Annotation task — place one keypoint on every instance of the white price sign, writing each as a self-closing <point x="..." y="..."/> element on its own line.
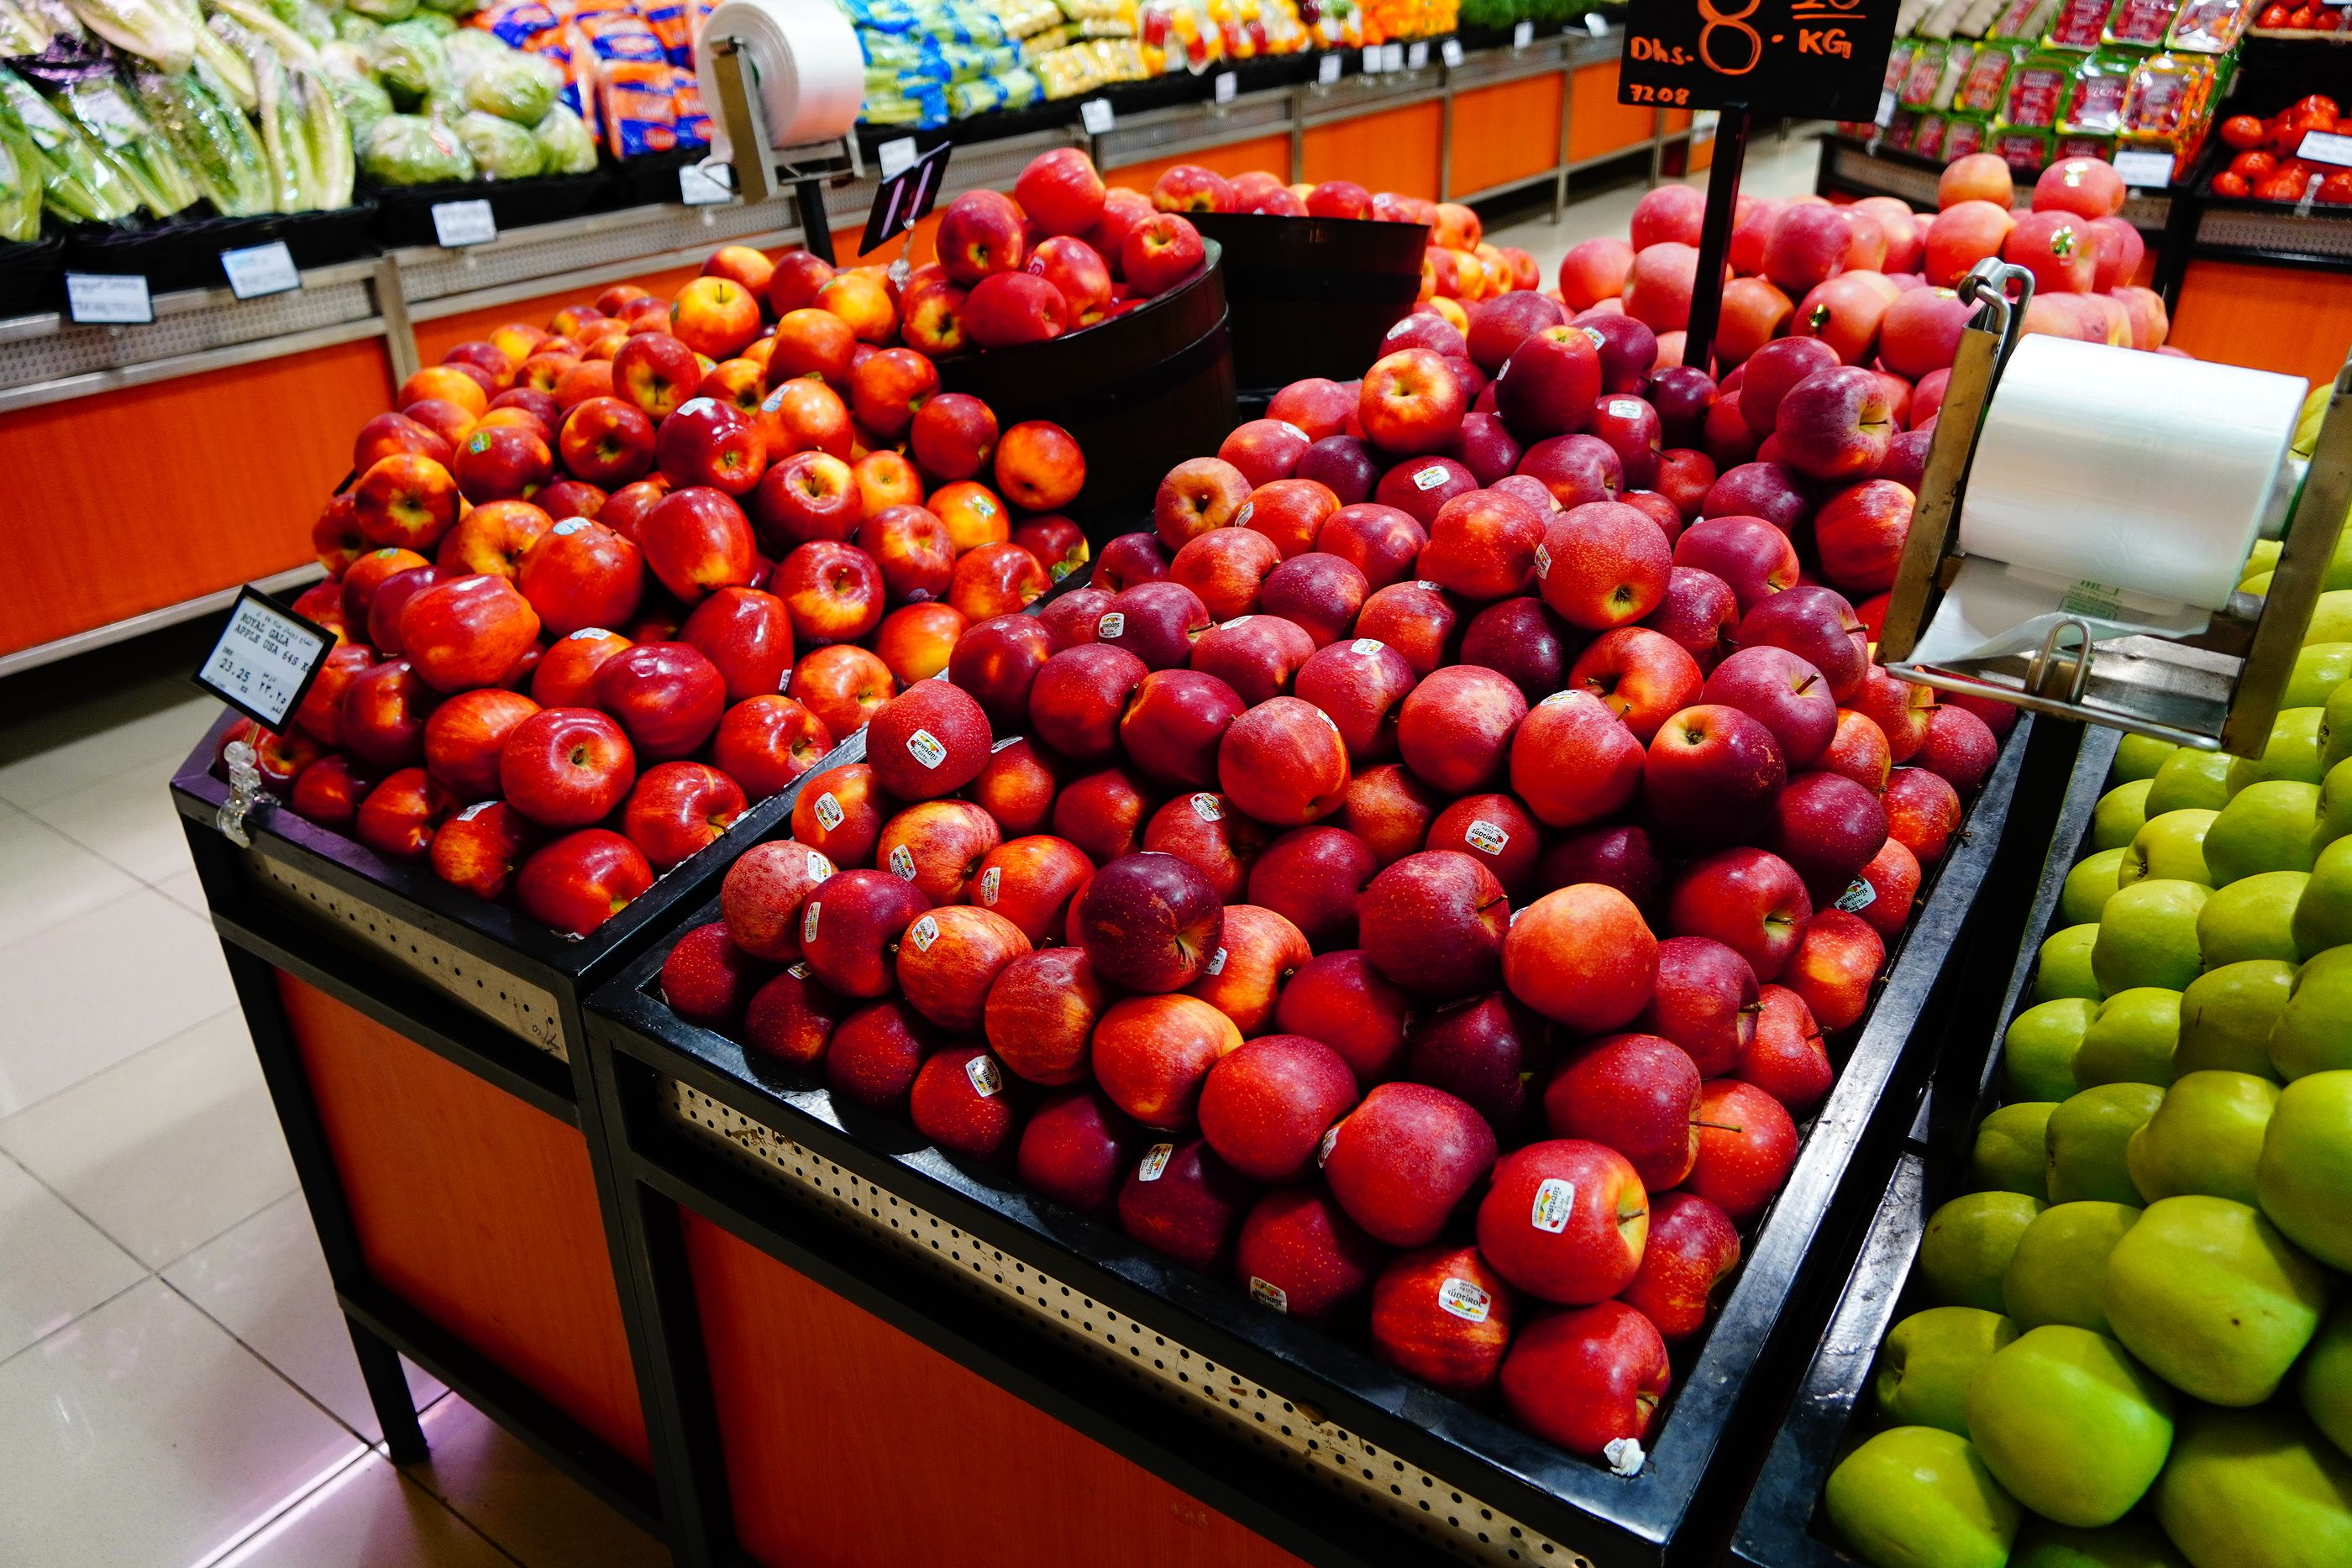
<point x="2145" y="168"/>
<point x="1596" y="25"/>
<point x="260" y="270"/>
<point x="456" y="223"/>
<point x="265" y="660"/>
<point x="1372" y="59"/>
<point x="1450" y="52"/>
<point x="1097" y="116"/>
<point x="1391" y="56"/>
<point x="1416" y="55"/>
<point x="1225" y="87"/>
<point x="109" y="300"/>
<point x="1885" y="116"/>
<point x="2324" y="147"/>
<point x="701" y="187"/>
<point x="898" y="156"/>
<point x="1522" y="34"/>
<point x="1326" y="70"/>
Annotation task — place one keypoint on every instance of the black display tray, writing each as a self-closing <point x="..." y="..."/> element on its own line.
<point x="1780" y="1524"/>
<point x="403" y="213"/>
<point x="32" y="275"/>
<point x="186" y="253"/>
<point x="1728" y="1385"/>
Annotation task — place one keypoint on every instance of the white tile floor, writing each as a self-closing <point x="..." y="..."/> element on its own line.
<point x="176" y="1387"/>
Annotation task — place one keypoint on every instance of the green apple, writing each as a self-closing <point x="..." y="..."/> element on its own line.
<point x="2172" y="845"/>
<point x="2264" y="557"/>
<point x="2255" y="1488"/>
<point x="2332" y="819"/>
<point x="2336" y="726"/>
<point x="2038" y="1052"/>
<point x="2226" y="1016"/>
<point x="2325" y="1384"/>
<point x="2119" y="813"/>
<point x="2138" y="756"/>
<point x="2323" y="917"/>
<point x="2302" y="1179"/>
<point x="2212" y="1298"/>
<point x="2254" y="917"/>
<point x="2313" y="1032"/>
<point x="2127" y="1543"/>
<point x="2009" y="1154"/>
<point x="2265" y="827"/>
<point x="2205" y="1137"/>
<point x="1918" y="1497"/>
<point x="2340" y="562"/>
<point x="2088" y="1132"/>
<point x="2063" y="967"/>
<point x="1926" y="1363"/>
<point x="2259" y="585"/>
<point x="2088" y="885"/>
<point x="2132" y="1039"/>
<point x="1968" y="1245"/>
<point x="2319" y="669"/>
<point x="2331" y="618"/>
<point x="2291" y="752"/>
<point x="2189" y="778"/>
<point x="2069" y="1425"/>
<point x="2054" y="1275"/>
<point x="2147" y="936"/>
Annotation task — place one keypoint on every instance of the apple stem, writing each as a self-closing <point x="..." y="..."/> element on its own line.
<point x="1718" y="1126"/>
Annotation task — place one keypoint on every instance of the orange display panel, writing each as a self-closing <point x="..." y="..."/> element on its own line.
<point x="1395" y="150"/>
<point x="1271" y="153"/>
<point x="1506" y="134"/>
<point x="1598" y="124"/>
<point x="822" y="1408"/>
<point x="157" y="494"/>
<point x="2296" y="320"/>
<point x="475" y="1207"/>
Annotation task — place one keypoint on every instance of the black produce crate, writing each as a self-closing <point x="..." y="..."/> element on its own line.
<point x="186" y="253"/>
<point x="1782" y="1524"/>
<point x="1313" y="296"/>
<point x="1140" y="391"/>
<point x="709" y="1125"/>
<point x="648" y="180"/>
<point x="403" y="213"/>
<point x="32" y="275"/>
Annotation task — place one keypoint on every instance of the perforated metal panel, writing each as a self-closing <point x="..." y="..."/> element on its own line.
<point x="508" y="1001"/>
<point x="1851" y="167"/>
<point x="1167" y="131"/>
<point x="1488" y="67"/>
<point x="42" y="349"/>
<point x="1244" y="1408"/>
<point x="2280" y="232"/>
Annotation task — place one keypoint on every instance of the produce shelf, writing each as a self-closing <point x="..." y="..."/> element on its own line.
<point x="769" y="1156"/>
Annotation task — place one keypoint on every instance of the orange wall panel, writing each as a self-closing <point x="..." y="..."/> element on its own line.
<point x="1271" y="153"/>
<point x="1597" y="123"/>
<point x="822" y="1408"/>
<point x="1392" y="150"/>
<point x="2293" y="320"/>
<point x="477" y="1208"/>
<point x="156" y="494"/>
<point x="1506" y="134"/>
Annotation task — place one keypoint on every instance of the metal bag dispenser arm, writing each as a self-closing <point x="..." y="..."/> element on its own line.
<point x="762" y="170"/>
<point x="2216" y="689"/>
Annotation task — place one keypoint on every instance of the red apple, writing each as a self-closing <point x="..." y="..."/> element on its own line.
<point x="1433" y="922"/>
<point x="1283" y="762"/>
<point x="765" y="742"/>
<point x="1636" y="1093"/>
<point x="1151" y="1054"/>
<point x="1266" y="1106"/>
<point x="1750" y="901"/>
<point x="1565" y="1220"/>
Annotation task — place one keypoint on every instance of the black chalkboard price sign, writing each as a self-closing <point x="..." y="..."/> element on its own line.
<point x="1811" y="58"/>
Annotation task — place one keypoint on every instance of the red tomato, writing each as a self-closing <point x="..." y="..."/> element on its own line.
<point x="2228" y="184"/>
<point x="2274" y="16"/>
<point x="2338" y="187"/>
<point x="2319" y="100"/>
<point x="2255" y="165"/>
<point x="2243" y="130"/>
<point x="2280" y="188"/>
<point x="2301" y="18"/>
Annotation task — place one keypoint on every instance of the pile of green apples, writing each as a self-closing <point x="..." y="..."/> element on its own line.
<point x="2140" y="1350"/>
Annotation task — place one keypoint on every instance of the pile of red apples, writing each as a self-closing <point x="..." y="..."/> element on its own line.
<point x="1416" y="881"/>
<point x="598" y="588"/>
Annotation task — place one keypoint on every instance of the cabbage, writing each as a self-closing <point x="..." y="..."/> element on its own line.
<point x="407" y="150"/>
<point x="354" y="28"/>
<point x="341" y="58"/>
<point x="435" y="23"/>
<point x="411" y="60"/>
<point x="565" y="140"/>
<point x="452" y="7"/>
<point x="521" y="88"/>
<point x="385" y="11"/>
<point x="471" y="47"/>
<point x="501" y="148"/>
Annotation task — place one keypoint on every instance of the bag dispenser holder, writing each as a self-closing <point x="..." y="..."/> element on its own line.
<point x="2217" y="688"/>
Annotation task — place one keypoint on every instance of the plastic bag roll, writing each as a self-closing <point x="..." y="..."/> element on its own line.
<point x="2108" y="469"/>
<point x="804" y="53"/>
<point x="2119" y="489"/>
